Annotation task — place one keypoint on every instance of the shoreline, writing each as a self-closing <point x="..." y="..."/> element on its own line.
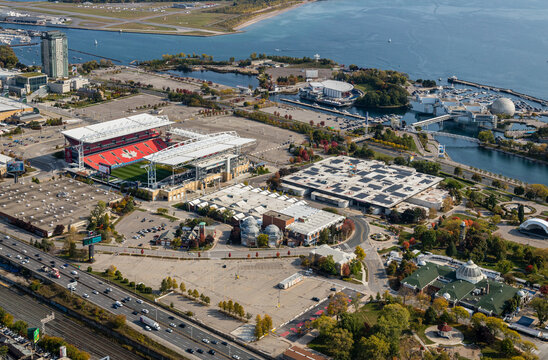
<point x="269" y="15"/>
<point x="205" y="32"/>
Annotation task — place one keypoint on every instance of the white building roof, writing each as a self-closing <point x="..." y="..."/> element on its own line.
<point x="7" y="104"/>
<point x="309" y="220"/>
<point x="338" y="85"/>
<point x="115" y="128"/>
<point x="198" y="148"/>
<point x="4" y="159"/>
<point x="339" y="256"/>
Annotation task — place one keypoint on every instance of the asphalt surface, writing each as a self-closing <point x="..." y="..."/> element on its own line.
<point x="189" y="337"/>
<point x="25" y="308"/>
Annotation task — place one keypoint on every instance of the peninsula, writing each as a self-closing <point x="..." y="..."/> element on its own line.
<point x="171" y="18"/>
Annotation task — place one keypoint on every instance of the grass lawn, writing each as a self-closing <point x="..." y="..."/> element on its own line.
<point x="139" y="26"/>
<point x="196" y="19"/>
<point x="370" y="312"/>
<point x="134" y="172"/>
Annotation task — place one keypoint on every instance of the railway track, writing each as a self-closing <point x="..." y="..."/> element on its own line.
<point x="23" y="307"/>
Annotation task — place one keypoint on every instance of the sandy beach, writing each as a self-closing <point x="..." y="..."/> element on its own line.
<point x="268" y="15"/>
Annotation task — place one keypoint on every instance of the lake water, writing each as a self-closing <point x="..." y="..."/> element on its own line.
<point x="497" y="42"/>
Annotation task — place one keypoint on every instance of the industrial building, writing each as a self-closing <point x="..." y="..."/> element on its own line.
<point x="55" y="54"/>
<point x="256" y="208"/>
<point x="344" y="180"/>
<point x="27" y="83"/>
<point x="50" y="207"/>
<point x="467" y="286"/>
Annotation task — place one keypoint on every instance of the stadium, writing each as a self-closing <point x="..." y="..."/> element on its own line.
<point x="140" y="152"/>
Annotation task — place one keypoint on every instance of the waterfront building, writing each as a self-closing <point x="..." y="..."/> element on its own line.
<point x="55" y="54"/>
<point x="26" y="83"/>
<point x="330" y="92"/>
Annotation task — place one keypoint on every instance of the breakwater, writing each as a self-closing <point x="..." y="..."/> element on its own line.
<point x="497" y="89"/>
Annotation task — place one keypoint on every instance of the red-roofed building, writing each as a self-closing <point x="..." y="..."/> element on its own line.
<point x="297" y="353"/>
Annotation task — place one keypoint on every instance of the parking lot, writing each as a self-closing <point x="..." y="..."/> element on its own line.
<point x="252" y="283"/>
<point x="140" y="228"/>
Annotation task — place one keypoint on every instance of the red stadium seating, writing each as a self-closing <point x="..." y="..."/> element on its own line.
<point x="126" y="154"/>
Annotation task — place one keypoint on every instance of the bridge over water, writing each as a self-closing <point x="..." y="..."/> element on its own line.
<point x="434" y="120"/>
<point x="455" y="136"/>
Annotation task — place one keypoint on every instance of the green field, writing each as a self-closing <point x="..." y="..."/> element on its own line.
<point x="134" y="172"/>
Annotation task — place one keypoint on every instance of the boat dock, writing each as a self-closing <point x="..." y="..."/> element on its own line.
<point x="324" y="109"/>
<point x="497" y="89"/>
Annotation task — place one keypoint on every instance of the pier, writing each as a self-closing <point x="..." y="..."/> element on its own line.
<point x="99" y="56"/>
<point x="497" y="89"/>
<point x="19" y="45"/>
<point x="313" y="106"/>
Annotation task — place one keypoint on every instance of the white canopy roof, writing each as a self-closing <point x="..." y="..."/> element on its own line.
<point x="198" y="148"/>
<point x="115" y="128"/>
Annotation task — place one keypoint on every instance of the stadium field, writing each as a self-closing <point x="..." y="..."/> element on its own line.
<point x="134" y="172"/>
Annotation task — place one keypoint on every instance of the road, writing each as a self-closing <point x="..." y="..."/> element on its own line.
<point x="378" y="280"/>
<point x="188" y="337"/>
<point x="25" y="308"/>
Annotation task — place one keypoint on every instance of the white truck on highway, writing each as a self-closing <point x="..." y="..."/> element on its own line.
<point x="148" y="321"/>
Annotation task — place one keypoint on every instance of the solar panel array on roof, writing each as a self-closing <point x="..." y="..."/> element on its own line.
<point x="367" y="181"/>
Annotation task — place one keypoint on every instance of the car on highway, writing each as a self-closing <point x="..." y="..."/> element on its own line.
<point x="205" y="341"/>
<point x="24" y="251"/>
<point x="144" y="311"/>
<point x="214" y="342"/>
<point x="147" y="328"/>
<point x="315" y="298"/>
<point x="95" y="292"/>
<point x="172" y="325"/>
<point x="74" y="272"/>
<point x="235" y="357"/>
<point x="199" y="351"/>
<point x="169" y="330"/>
<point x="85" y="296"/>
<point x="182" y="325"/>
<point x="190" y="351"/>
<point x="212" y="352"/>
<point x="139" y="301"/>
<point x="52" y="262"/>
<point x="333" y="289"/>
<point x="224" y="343"/>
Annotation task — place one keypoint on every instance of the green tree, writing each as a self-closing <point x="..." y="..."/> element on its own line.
<point x="340" y="344"/>
<point x="372" y="348"/>
<point x="451" y="249"/>
<point x="182" y="287"/>
<point x="430" y="316"/>
<point x="504" y="266"/>
<point x="540" y="306"/>
<point x="3" y="351"/>
<point x="20" y="327"/>
<point x="394" y="318"/>
<point x="460" y="313"/>
<point x="258" y="327"/>
<point x="477" y="177"/>
<point x="428" y="239"/>
<point x="338" y="304"/>
<point x="486" y="136"/>
<point x="324" y="324"/>
<point x="457" y="171"/>
<point x="521" y="213"/>
<point x="118" y="321"/>
<point x="360" y="253"/>
<point x="262" y="240"/>
<point x="8" y="59"/>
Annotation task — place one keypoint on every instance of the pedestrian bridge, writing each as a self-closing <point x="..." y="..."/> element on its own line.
<point x="434" y="120"/>
<point x="455" y="136"/>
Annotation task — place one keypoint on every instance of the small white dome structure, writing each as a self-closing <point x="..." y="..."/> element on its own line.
<point x="503" y="106"/>
<point x="446" y="296"/>
<point x="470" y="272"/>
<point x="274" y="235"/>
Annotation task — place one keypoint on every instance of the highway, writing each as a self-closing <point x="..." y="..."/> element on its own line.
<point x="188" y="337"/>
<point x="25" y="308"/>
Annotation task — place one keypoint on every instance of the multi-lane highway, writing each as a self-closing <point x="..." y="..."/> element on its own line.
<point x="186" y="336"/>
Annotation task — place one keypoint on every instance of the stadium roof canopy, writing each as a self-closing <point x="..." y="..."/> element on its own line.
<point x="116" y="128"/>
<point x="198" y="148"/>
